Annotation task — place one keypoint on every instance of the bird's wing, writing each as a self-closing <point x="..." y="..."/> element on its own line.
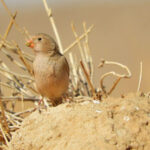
<point x="64" y="63"/>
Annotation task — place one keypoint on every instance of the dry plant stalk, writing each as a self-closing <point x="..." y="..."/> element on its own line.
<point x="79" y="43"/>
<point x="87" y="51"/>
<point x="9" y="28"/>
<point x="22" y="31"/>
<point x="3" y="124"/>
<point x="12" y="59"/>
<point x="4" y="117"/>
<point x="140" y="76"/>
<point x="50" y="16"/>
<point x="76" y="41"/>
<point x="4" y="135"/>
<point x="30" y="70"/>
<point x="119" y="76"/>
<point x="79" y="83"/>
<point x="88" y="79"/>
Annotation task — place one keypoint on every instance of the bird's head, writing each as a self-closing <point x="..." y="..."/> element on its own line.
<point x="42" y="43"/>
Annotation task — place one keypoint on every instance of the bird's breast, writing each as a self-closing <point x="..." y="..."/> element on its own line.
<point x="51" y="79"/>
<point x="43" y="69"/>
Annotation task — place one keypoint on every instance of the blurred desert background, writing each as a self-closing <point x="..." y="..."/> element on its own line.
<point x="121" y="32"/>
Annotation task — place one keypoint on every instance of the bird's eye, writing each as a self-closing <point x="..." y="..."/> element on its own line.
<point x="39" y="39"/>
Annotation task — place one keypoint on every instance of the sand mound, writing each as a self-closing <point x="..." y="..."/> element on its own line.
<point x="113" y="124"/>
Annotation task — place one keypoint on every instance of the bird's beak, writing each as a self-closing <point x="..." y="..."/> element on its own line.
<point x="30" y="43"/>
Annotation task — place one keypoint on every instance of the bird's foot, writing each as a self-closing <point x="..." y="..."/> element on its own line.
<point x="38" y="105"/>
<point x="46" y="105"/>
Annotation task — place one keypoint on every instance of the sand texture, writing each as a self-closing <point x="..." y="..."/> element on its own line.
<point x="116" y="124"/>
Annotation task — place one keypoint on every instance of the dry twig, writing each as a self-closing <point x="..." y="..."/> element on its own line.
<point x="140" y="77"/>
<point x="30" y="70"/>
<point x="5" y="124"/>
<point x="88" y="79"/>
<point x="49" y="13"/>
<point x="16" y="25"/>
<point x="76" y="41"/>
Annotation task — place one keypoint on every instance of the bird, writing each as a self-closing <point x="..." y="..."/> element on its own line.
<point x="50" y="68"/>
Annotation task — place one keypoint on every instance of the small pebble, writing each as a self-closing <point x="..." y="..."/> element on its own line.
<point x="96" y="101"/>
<point x="123" y="108"/>
<point x="99" y="111"/>
<point x="126" y="118"/>
<point x="137" y="108"/>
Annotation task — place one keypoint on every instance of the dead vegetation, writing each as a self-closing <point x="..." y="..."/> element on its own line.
<point x="22" y="85"/>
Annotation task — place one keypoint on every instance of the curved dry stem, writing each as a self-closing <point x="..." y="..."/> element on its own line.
<point x="128" y="75"/>
<point x="120" y="76"/>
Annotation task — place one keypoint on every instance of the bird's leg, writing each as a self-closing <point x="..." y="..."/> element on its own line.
<point x="40" y="101"/>
<point x="46" y="105"/>
<point x="44" y="101"/>
<point x="39" y="104"/>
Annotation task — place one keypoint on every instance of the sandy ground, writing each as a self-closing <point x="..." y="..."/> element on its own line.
<point x="112" y="124"/>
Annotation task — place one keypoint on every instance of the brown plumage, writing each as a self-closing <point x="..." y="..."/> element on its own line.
<point x="51" y="68"/>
